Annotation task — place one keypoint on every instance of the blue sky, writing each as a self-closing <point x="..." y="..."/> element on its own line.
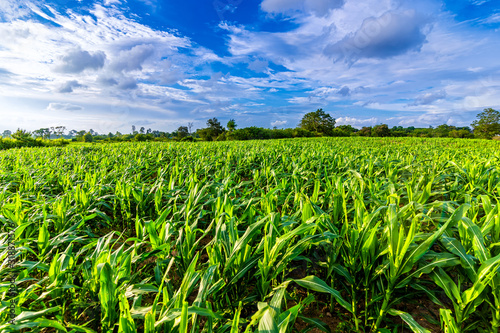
<point x="111" y="64"/>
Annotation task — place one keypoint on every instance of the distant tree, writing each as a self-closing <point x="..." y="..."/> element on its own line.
<point x="142" y="130"/>
<point x="140" y="137"/>
<point x="318" y="121"/>
<point x="381" y="130"/>
<point x="347" y="128"/>
<point x="133" y="130"/>
<point x="487" y="125"/>
<point x="365" y="131"/>
<point x="204" y="134"/>
<point x="443" y="131"/>
<point x="39" y="133"/>
<point x="52" y="130"/>
<point x="460" y="133"/>
<point x="190" y="126"/>
<point x="88" y="137"/>
<point x="231" y="125"/>
<point x="46" y="133"/>
<point x="182" y="132"/>
<point x="148" y="131"/>
<point x="6" y="134"/>
<point x="21" y="135"/>
<point x="72" y="133"/>
<point x="213" y="130"/>
<point x="398" y="131"/>
<point x="59" y="130"/>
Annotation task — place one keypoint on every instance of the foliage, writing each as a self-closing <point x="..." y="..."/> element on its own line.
<point x="488" y="124"/>
<point x="228" y="236"/>
<point x="212" y="131"/>
<point x="318" y="121"/>
<point x="231" y="125"/>
<point x="381" y="130"/>
<point x="182" y="132"/>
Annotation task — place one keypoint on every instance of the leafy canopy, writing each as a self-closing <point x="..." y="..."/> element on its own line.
<point x="318" y="121"/>
<point x="488" y="124"/>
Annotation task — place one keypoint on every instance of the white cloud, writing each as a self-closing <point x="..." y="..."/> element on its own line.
<point x="63" y="107"/>
<point x="77" y="60"/>
<point x="318" y="7"/>
<point x="278" y="123"/>
<point x="357" y="121"/>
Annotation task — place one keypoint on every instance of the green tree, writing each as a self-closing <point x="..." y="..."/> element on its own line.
<point x="318" y="121"/>
<point x="88" y="137"/>
<point x="443" y="131"/>
<point x="365" y="131"/>
<point x="231" y="125"/>
<point x="182" y="132"/>
<point x="6" y="133"/>
<point x="213" y="130"/>
<point x="487" y="125"/>
<point x="21" y="135"/>
<point x="347" y="128"/>
<point x="381" y="130"/>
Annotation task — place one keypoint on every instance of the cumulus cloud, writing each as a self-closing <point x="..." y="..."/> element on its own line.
<point x="133" y="59"/>
<point x="127" y="83"/>
<point x="357" y="121"/>
<point x="429" y="98"/>
<point x="278" y="123"/>
<point x="76" y="61"/>
<point x="393" y="33"/>
<point x="318" y="7"/>
<point x="69" y="86"/>
<point x="63" y="107"/>
<point x="344" y="91"/>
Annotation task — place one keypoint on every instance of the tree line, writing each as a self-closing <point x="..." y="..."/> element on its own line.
<point x="313" y="124"/>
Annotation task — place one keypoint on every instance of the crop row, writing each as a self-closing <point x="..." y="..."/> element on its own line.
<point x="346" y="234"/>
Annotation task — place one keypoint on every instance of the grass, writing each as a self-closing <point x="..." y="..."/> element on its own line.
<point x="253" y="236"/>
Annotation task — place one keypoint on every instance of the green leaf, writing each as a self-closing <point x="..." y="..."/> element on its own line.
<point x="314" y="283"/>
<point x="415" y="327"/>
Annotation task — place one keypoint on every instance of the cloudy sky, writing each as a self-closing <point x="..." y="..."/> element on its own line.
<point x="110" y="64"/>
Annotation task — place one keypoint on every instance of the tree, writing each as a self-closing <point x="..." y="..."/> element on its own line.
<point x="39" y="133"/>
<point x="318" y="121"/>
<point x="365" y="131"/>
<point x="88" y="137"/>
<point x="443" y="131"/>
<point x="59" y="131"/>
<point x="213" y="130"/>
<point x="182" y="132"/>
<point x="488" y="124"/>
<point x="21" y="135"/>
<point x="133" y="130"/>
<point x="347" y="128"/>
<point x="142" y="130"/>
<point x="190" y="125"/>
<point x="6" y="133"/>
<point x="231" y="125"/>
<point x="381" y="130"/>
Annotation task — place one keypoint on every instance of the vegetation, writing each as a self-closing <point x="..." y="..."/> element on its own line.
<point x="346" y="234"/>
<point x="318" y="123"/>
<point x="488" y="124"/>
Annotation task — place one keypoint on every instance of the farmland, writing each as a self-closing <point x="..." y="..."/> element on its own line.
<point x="333" y="234"/>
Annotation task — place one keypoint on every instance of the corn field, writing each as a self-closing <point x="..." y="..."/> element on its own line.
<point x="296" y="235"/>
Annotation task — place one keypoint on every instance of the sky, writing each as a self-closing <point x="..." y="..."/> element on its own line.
<point x="109" y="64"/>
